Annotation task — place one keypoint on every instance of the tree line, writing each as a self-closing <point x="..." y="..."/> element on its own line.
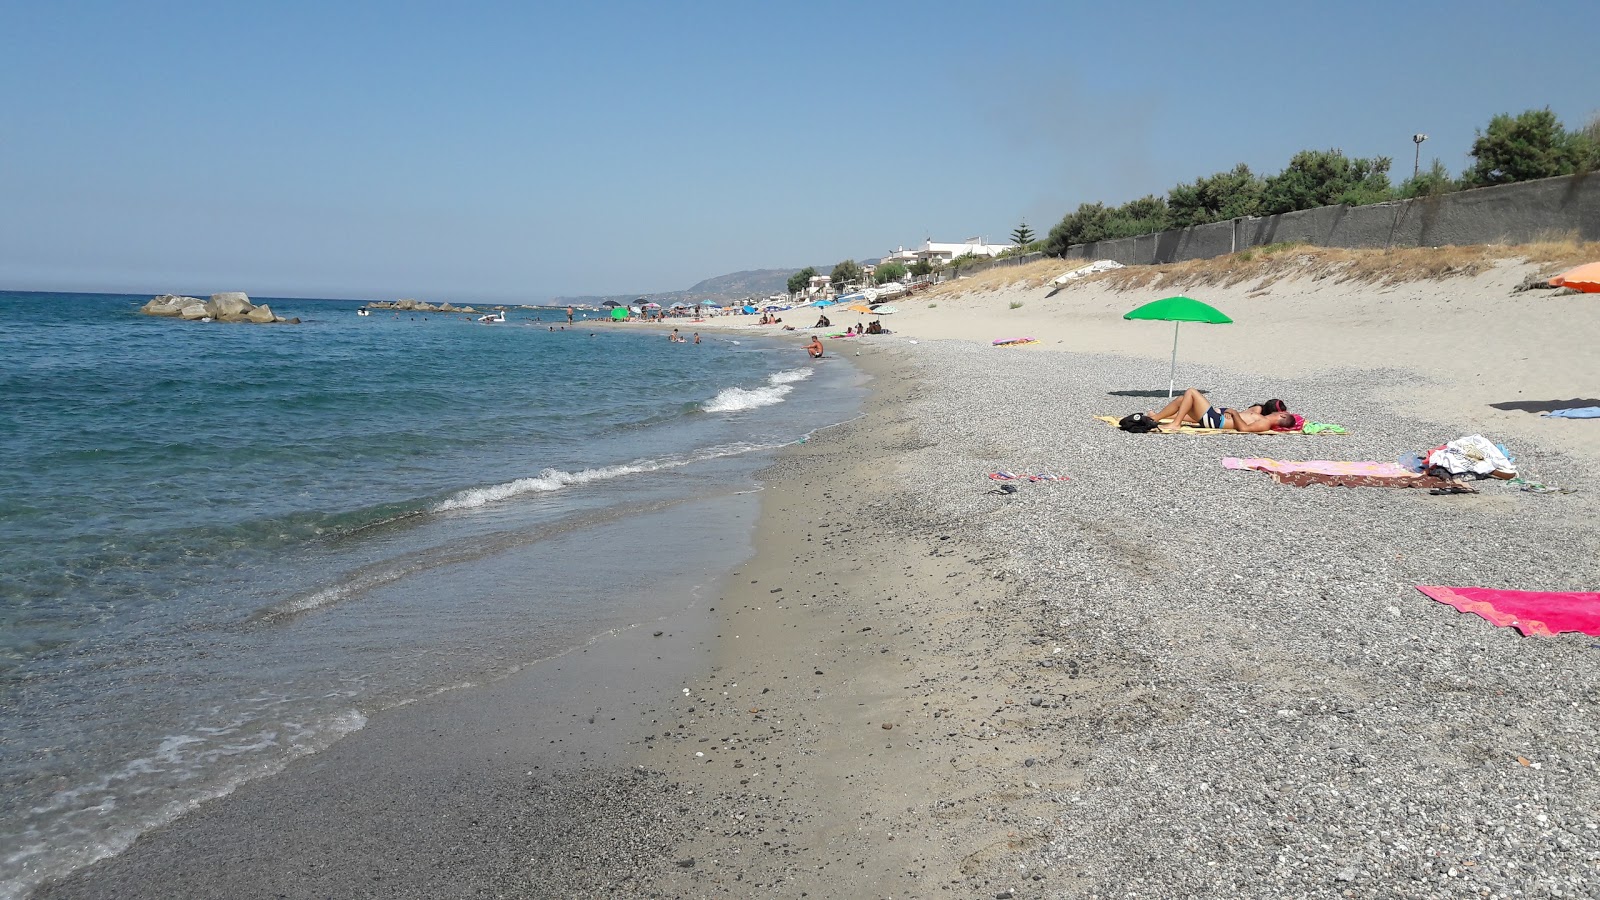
<point x="1513" y="148"/>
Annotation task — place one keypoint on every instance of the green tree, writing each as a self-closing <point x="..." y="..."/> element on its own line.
<point x="1524" y="147"/>
<point x="801" y="279"/>
<point x="889" y="272"/>
<point x="1022" y="236"/>
<point x="921" y="267"/>
<point x="1316" y="178"/>
<point x="1589" y="146"/>
<point x="1145" y="215"/>
<point x="1432" y="183"/>
<point x="846" y="272"/>
<point x="1084" y="225"/>
<point x="1215" y="198"/>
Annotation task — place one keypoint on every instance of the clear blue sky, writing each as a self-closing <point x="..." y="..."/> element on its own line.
<point x="515" y="151"/>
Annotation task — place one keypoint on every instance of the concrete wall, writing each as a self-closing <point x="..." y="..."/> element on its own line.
<point x="1508" y="214"/>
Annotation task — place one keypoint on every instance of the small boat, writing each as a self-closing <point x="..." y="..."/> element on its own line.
<point x="498" y="318"/>
<point x="363" y="311"/>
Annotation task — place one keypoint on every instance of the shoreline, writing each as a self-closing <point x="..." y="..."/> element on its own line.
<point x="1157" y="679"/>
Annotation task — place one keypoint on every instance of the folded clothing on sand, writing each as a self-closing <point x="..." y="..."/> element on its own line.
<point x="1335" y="472"/>
<point x="1546" y="613"/>
<point x="1577" y="412"/>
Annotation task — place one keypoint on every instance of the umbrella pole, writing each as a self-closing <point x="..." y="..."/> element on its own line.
<point x="1172" y="376"/>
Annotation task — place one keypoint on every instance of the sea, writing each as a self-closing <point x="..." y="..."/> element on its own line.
<point x="224" y="547"/>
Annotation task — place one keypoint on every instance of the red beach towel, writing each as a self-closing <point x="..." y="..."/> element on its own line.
<point x="1546" y="613"/>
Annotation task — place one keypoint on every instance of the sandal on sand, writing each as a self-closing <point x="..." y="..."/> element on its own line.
<point x="1454" y="489"/>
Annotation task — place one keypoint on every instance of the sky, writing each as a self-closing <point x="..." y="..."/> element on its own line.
<point x="518" y="151"/>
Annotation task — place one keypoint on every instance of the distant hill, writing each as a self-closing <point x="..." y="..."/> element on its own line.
<point x="721" y="289"/>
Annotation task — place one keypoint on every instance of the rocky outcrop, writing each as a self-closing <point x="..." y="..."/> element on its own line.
<point x="410" y="305"/>
<point x="169" y="305"/>
<point x="230" y="306"/>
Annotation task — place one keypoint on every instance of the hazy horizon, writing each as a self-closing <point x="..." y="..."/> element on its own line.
<point x="514" y="153"/>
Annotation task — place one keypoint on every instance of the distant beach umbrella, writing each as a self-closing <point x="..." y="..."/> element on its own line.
<point x="1584" y="278"/>
<point x="611" y="303"/>
<point x="652" y="306"/>
<point x="1177" y="310"/>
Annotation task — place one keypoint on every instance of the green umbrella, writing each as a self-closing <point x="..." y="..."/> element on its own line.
<point x="619" y="313"/>
<point x="1177" y="310"/>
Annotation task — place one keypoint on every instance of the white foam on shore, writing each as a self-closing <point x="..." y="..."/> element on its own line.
<point x="556" y="479"/>
<point x="58" y="843"/>
<point x="379" y="575"/>
<point x="790" y="376"/>
<point x="735" y="399"/>
<point x="547" y="480"/>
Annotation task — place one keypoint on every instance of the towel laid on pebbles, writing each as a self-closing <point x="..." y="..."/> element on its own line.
<point x="1042" y="476"/>
<point x="1544" y="613"/>
<point x="1335" y="472"/>
<point x="1315" y="428"/>
<point x="1581" y="412"/>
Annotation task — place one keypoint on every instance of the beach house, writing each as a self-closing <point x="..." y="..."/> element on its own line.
<point x="942" y="252"/>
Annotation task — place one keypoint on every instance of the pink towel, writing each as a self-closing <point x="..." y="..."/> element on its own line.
<point x="1545" y="613"/>
<point x="1331" y="472"/>
<point x="1319" y="467"/>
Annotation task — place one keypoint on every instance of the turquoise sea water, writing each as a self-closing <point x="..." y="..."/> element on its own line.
<point x="224" y="546"/>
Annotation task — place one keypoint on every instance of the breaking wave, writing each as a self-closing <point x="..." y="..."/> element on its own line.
<point x="778" y="386"/>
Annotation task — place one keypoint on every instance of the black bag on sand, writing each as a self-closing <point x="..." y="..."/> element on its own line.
<point x="1138" y="423"/>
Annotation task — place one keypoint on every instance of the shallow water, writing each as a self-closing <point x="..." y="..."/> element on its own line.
<point x="225" y="546"/>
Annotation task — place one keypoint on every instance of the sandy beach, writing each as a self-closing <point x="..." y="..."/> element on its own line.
<point x="1156" y="678"/>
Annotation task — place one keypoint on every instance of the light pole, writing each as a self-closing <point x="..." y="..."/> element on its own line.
<point x="1416" y="167"/>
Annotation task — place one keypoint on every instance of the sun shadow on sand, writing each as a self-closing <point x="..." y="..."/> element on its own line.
<point x="1157" y="393"/>
<point x="1539" y="406"/>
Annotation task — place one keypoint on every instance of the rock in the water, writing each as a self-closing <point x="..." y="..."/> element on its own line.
<point x="230" y="303"/>
<point x="231" y="306"/>
<point x="168" y="305"/>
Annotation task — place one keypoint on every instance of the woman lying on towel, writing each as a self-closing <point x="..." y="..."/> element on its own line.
<point x="1193" y="408"/>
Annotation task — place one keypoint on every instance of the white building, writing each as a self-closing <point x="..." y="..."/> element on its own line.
<point x="938" y="251"/>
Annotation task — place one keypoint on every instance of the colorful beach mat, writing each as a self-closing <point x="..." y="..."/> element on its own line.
<point x="1015" y="342"/>
<point x="1545" y="613"/>
<point x="1012" y="476"/>
<point x="1334" y="472"/>
<point x="1313" y="428"/>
